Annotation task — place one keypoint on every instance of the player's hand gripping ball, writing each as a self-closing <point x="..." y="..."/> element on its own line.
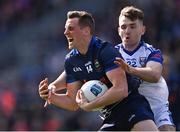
<point x="93" y="89"/>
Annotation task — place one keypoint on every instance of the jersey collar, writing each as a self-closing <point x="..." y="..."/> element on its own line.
<point x="132" y="52"/>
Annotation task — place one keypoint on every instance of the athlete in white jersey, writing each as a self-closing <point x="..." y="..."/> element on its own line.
<point x="145" y="62"/>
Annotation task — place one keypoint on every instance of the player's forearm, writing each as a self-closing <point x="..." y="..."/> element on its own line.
<point x="113" y="95"/>
<point x="118" y="91"/>
<point x="59" y="83"/>
<point x="64" y="101"/>
<point x="57" y="86"/>
<point x="146" y="74"/>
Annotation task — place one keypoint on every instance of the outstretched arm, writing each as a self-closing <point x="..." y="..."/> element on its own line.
<point x="150" y="73"/>
<point x="67" y="100"/>
<point x="46" y="89"/>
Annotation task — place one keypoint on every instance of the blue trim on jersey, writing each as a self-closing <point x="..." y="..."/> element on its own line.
<point x="150" y="48"/>
<point x="156" y="60"/>
<point x="132" y="52"/>
<point x="70" y="81"/>
<point x="155" y="56"/>
<point x="111" y="68"/>
<point x="118" y="46"/>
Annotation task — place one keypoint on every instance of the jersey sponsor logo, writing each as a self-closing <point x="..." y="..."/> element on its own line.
<point x="142" y="61"/>
<point x="77" y="69"/>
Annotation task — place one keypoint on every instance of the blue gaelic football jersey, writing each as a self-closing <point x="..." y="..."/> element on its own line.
<point x="98" y="60"/>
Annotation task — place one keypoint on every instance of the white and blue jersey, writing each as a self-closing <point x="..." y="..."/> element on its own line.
<point x="98" y="60"/>
<point x="156" y="93"/>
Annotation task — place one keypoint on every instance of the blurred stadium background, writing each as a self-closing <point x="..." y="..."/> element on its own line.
<point x="32" y="47"/>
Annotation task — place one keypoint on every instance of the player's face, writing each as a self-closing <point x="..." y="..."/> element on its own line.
<point x="130" y="31"/>
<point x="73" y="33"/>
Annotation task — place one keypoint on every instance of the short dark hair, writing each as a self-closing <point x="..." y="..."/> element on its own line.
<point x="132" y="13"/>
<point x="85" y="19"/>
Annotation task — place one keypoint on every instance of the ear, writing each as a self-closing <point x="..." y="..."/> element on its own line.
<point x="119" y="30"/>
<point x="143" y="30"/>
<point x="86" y="30"/>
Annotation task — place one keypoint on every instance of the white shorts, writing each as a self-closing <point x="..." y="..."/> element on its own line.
<point x="162" y="115"/>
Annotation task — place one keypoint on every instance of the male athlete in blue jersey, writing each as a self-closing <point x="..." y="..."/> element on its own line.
<point x="144" y="61"/>
<point x="92" y="59"/>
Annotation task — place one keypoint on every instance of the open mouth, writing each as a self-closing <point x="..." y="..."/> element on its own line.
<point x="127" y="38"/>
<point x="70" y="39"/>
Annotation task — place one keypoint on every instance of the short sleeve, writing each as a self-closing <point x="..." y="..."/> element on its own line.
<point x="108" y="56"/>
<point x="156" y="56"/>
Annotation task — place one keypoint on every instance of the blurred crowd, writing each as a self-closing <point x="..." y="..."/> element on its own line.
<point x="23" y="65"/>
<point x="14" y="12"/>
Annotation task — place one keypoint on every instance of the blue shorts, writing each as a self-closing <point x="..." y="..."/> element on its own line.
<point x="127" y="113"/>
